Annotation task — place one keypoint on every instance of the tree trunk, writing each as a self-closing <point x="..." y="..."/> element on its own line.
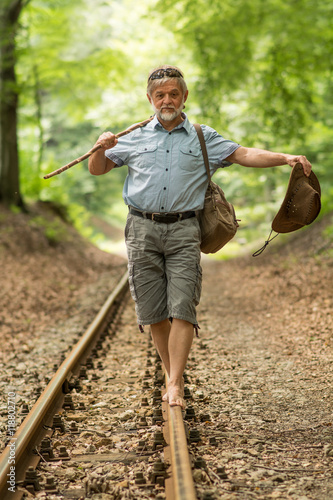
<point x="9" y="162"/>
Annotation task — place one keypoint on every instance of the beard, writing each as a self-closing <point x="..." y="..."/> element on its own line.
<point x="171" y="114"/>
<point x="167" y="116"/>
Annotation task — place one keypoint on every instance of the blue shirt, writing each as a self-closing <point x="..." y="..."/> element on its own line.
<point x="166" y="170"/>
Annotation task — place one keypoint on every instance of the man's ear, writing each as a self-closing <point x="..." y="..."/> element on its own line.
<point x="186" y="96"/>
<point x="149" y="98"/>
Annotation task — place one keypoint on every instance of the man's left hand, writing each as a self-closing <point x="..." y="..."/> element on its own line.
<point x="292" y="160"/>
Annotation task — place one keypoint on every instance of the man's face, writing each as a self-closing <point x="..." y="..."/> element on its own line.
<point x="168" y="101"/>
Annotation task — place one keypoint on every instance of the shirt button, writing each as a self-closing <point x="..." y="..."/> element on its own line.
<point x="166" y="169"/>
<point x="162" y="208"/>
<point x="164" y="189"/>
<point x="169" y="133"/>
<point x="167" y="151"/>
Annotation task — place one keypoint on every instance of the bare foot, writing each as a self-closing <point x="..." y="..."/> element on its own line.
<point x="175" y="395"/>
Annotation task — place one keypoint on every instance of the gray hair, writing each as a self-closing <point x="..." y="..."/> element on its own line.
<point x="153" y="84"/>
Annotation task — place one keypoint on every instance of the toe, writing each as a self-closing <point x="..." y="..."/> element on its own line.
<point x="165" y="397"/>
<point x="178" y="402"/>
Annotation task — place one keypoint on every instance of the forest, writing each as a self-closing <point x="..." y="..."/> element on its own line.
<point x="259" y="72"/>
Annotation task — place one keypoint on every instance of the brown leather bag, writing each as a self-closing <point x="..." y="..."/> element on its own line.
<point x="217" y="220"/>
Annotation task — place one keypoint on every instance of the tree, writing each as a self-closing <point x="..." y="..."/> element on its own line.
<point x="48" y="69"/>
<point x="273" y="58"/>
<point x="264" y="75"/>
<point x="10" y="11"/>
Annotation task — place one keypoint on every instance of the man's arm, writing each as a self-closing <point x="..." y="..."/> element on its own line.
<point x="259" y="158"/>
<point x="98" y="163"/>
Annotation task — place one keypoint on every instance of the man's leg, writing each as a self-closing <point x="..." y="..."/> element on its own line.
<point x="173" y="345"/>
<point x="183" y="281"/>
<point x="160" y="333"/>
<point x="180" y="341"/>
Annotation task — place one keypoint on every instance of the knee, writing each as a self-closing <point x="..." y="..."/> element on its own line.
<point x="181" y="322"/>
<point x="160" y="328"/>
<point x="182" y="325"/>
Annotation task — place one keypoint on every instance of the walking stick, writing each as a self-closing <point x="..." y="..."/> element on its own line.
<point x="95" y="148"/>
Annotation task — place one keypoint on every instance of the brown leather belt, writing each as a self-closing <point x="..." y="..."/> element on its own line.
<point x="166" y="218"/>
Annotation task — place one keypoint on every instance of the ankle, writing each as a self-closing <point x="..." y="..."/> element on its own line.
<point x="176" y="381"/>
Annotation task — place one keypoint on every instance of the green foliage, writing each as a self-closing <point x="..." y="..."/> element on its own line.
<point x="259" y="72"/>
<point x="80" y="73"/>
<point x="15" y="209"/>
<point x="263" y="65"/>
<point x="328" y="232"/>
<point x="63" y="75"/>
<point x="80" y="217"/>
<point x="264" y="73"/>
<point x="53" y="229"/>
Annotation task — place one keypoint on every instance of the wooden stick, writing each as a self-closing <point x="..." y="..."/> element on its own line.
<point x="95" y="148"/>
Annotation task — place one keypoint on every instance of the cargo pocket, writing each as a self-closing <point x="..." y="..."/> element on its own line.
<point x="131" y="281"/>
<point x="198" y="286"/>
<point x="129" y="222"/>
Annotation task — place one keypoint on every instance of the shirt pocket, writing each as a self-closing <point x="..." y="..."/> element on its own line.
<point x="189" y="157"/>
<point x="146" y="155"/>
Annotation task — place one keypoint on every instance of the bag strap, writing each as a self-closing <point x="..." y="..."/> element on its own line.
<point x="203" y="148"/>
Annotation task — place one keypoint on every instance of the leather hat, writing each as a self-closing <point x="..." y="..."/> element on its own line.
<point x="301" y="204"/>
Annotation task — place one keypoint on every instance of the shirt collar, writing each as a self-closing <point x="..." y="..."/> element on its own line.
<point x="185" y="124"/>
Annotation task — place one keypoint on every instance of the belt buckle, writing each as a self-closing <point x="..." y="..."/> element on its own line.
<point x="158" y="214"/>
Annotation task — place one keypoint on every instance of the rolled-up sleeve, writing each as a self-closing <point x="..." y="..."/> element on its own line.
<point x="120" y="154"/>
<point x="218" y="148"/>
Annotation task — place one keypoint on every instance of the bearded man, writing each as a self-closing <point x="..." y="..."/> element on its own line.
<point x="164" y="190"/>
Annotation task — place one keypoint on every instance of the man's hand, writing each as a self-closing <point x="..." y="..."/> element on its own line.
<point x="292" y="160"/>
<point x="107" y="140"/>
<point x="98" y="163"/>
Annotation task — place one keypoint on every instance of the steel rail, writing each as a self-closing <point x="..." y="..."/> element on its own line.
<point x="182" y="478"/>
<point x="29" y="432"/>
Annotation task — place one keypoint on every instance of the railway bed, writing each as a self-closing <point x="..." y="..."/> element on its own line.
<point x="89" y="428"/>
<point x="255" y="425"/>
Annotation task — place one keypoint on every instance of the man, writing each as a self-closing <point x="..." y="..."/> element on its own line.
<point x="165" y="186"/>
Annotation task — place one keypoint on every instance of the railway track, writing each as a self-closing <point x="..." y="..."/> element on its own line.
<point x="254" y="426"/>
<point x="36" y="455"/>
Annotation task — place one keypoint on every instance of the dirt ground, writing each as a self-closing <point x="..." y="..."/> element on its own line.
<point x="264" y="359"/>
<point x="264" y="363"/>
<point x="46" y="269"/>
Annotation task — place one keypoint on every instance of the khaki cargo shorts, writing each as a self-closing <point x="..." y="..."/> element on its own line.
<point x="165" y="275"/>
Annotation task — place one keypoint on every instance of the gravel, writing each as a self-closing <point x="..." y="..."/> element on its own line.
<point x="258" y="376"/>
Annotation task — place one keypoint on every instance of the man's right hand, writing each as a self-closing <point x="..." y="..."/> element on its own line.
<point x="98" y="163"/>
<point x="107" y="140"/>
